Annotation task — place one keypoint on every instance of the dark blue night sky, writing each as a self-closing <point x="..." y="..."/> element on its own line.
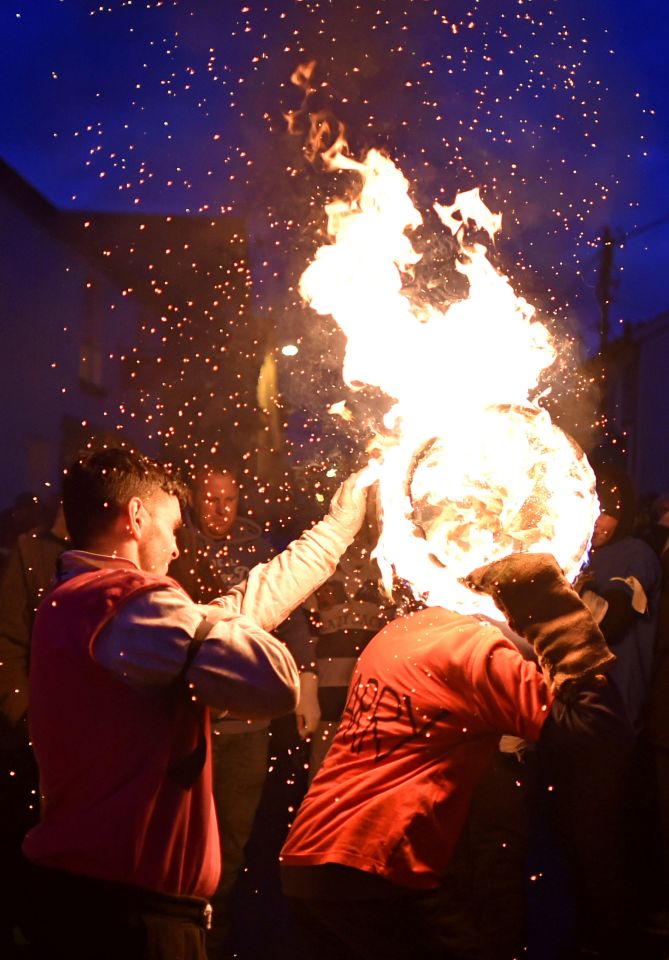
<point x="557" y="109"/>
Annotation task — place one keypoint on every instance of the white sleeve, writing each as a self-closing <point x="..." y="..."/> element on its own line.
<point x="239" y="668"/>
<point x="274" y="589"/>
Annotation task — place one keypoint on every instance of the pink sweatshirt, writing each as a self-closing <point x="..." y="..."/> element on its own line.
<point x="109" y="809"/>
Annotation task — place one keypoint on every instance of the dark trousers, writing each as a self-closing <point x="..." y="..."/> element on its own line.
<point x="79" y="918"/>
<point x="489" y="867"/>
<point x="239" y="774"/>
<point x="662" y="779"/>
<point x="420" y="925"/>
<point x="18" y="813"/>
<point x="591" y="818"/>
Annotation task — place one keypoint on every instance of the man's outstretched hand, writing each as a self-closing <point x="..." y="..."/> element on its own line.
<point x="350" y="501"/>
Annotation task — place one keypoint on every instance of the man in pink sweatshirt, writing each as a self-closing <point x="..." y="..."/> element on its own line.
<point x="124" y="668"/>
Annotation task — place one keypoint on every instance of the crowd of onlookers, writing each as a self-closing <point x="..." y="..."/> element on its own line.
<point x="558" y="858"/>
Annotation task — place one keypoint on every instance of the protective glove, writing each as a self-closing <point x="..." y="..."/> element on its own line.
<point x="349" y="503"/>
<point x="308" y="711"/>
<point x="539" y="603"/>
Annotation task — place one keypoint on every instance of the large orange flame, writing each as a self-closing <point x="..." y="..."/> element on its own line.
<point x="474" y="470"/>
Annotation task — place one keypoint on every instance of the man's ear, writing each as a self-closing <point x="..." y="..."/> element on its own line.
<point x="135" y="517"/>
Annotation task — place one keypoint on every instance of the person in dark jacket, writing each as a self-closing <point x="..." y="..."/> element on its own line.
<point x="599" y="803"/>
<point x="625" y="576"/>
<point x="29" y="571"/>
<point x="658" y="723"/>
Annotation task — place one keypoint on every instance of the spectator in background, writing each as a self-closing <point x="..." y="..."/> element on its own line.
<point x="659" y="715"/>
<point x="29" y="571"/>
<point x="27" y="513"/>
<point x="217" y="550"/>
<point x="600" y="803"/>
<point x="625" y="576"/>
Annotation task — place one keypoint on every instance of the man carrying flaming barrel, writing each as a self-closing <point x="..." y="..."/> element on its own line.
<point x="365" y="863"/>
<point x="484" y="503"/>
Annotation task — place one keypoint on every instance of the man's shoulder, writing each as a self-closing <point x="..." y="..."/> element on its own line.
<point x="112" y="582"/>
<point x="629" y="556"/>
<point x="433" y="634"/>
<point x="80" y="605"/>
<point x="639" y="547"/>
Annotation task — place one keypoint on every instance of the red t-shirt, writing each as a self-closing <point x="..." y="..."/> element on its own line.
<point x="110" y="808"/>
<point x="429" y="699"/>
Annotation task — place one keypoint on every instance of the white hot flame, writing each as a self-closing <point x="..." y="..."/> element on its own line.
<point x="473" y="470"/>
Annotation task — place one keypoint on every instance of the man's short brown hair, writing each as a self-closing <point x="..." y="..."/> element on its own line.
<point x="101" y="481"/>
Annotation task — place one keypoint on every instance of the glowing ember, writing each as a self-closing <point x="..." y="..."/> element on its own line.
<point x="472" y="470"/>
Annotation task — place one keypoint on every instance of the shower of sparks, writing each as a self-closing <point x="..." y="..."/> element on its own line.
<point x="184" y="120"/>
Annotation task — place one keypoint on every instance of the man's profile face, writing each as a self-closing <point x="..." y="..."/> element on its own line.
<point x="605" y="527"/>
<point x="157" y="545"/>
<point x="216" y="502"/>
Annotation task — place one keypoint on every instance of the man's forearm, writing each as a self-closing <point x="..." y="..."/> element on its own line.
<point x="239" y="668"/>
<point x="274" y="589"/>
<point x="593" y="713"/>
<point x="244" y="671"/>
